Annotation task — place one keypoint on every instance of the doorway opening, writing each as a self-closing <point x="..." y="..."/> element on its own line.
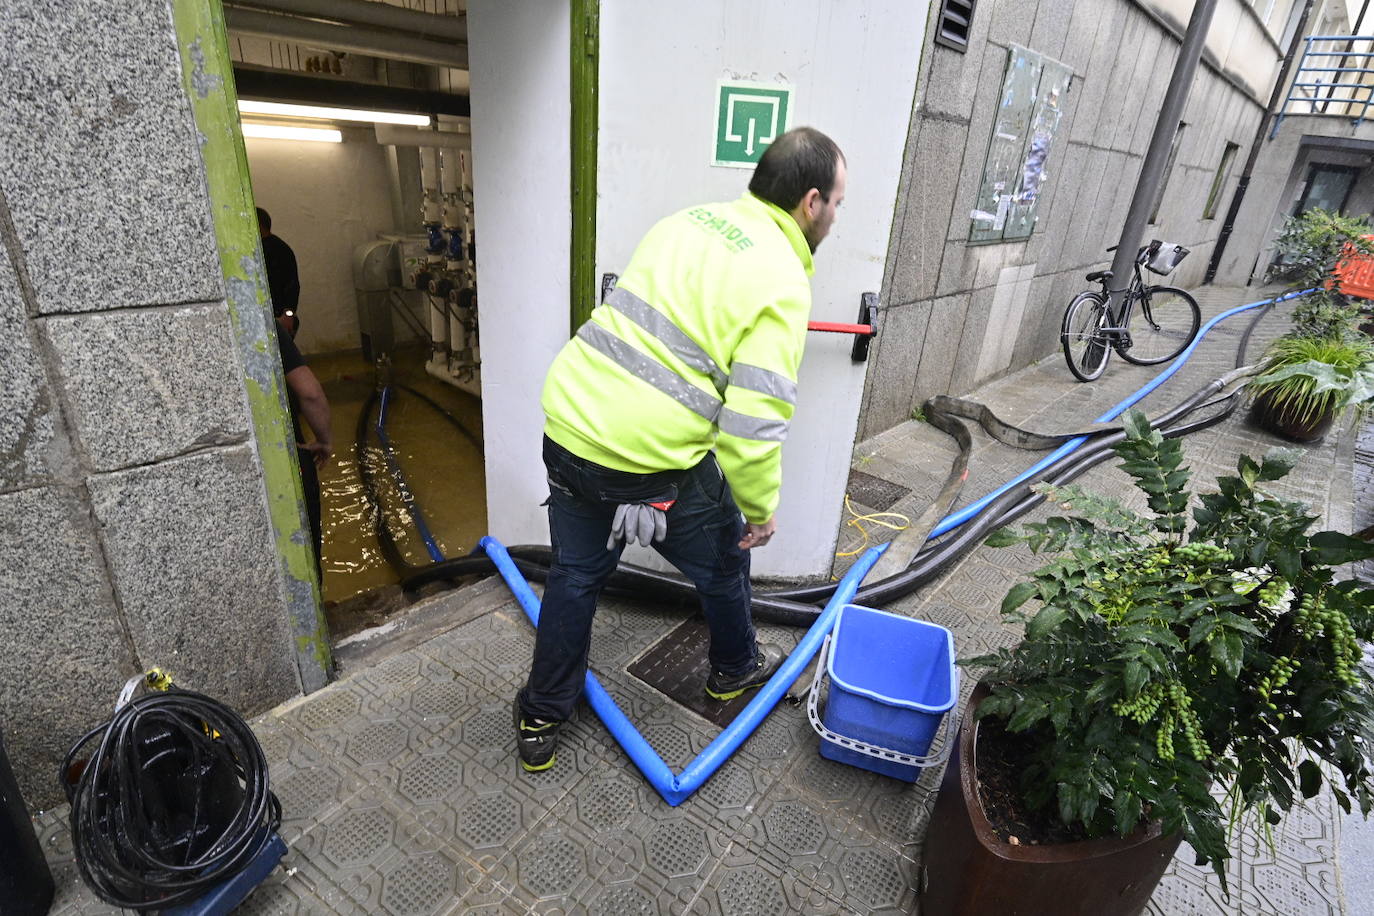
<point x="358" y="135"/>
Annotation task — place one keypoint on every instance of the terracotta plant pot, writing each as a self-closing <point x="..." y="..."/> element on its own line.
<point x="967" y="870"/>
<point x="1285" y="422"/>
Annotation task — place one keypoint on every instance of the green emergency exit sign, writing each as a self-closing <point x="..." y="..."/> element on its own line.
<point x="749" y="116"/>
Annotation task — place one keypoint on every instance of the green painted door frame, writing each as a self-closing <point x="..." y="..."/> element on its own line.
<point x="585" y="57"/>
<point x="207" y="77"/>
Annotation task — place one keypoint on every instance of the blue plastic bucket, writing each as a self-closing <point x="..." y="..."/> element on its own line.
<point x="892" y="679"/>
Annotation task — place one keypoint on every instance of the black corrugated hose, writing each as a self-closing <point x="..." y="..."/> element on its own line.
<point x="800" y="606"/>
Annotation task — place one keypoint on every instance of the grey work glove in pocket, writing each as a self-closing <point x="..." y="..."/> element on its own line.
<point x="637" y="523"/>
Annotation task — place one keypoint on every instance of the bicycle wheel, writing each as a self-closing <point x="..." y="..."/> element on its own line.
<point x="1163" y="322"/>
<point x="1085" y="350"/>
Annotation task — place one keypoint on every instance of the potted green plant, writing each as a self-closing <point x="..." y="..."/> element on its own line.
<point x="1325" y="364"/>
<point x="1176" y="677"/>
<point x="1308" y="382"/>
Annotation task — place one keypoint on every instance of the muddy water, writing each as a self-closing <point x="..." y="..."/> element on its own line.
<point x="441" y="466"/>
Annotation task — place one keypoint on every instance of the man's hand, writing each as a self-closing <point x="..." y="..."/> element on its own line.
<point x="757" y="535"/>
<point x="320" y="451"/>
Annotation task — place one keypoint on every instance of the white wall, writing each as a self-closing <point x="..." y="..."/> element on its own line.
<point x="325" y="198"/>
<point x="518" y="55"/>
<point x="853" y="74"/>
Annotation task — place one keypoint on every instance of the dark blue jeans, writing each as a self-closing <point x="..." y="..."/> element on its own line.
<point x="704" y="528"/>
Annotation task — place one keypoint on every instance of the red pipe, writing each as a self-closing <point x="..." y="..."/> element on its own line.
<point x="837" y="328"/>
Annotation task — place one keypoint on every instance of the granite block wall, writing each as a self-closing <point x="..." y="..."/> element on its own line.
<point x="133" y="517"/>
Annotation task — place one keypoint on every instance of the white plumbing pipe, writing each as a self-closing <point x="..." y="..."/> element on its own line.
<point x="429" y="182"/>
<point x="457" y="330"/>
<point x="374" y="42"/>
<point x="450" y="180"/>
<point x="438" y="330"/>
<point x="469" y="380"/>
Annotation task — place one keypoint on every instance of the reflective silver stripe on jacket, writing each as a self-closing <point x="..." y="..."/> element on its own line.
<point x="650" y="370"/>
<point x="764" y="381"/>
<point x="747" y="427"/>
<point x="659" y="325"/>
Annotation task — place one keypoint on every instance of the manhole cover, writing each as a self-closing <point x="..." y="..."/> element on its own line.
<point x="874" y="492"/>
<point x="676" y="666"/>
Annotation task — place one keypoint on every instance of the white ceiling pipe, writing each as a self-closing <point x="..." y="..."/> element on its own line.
<point x="366" y="12"/>
<point x="375" y="43"/>
<point x="398" y="135"/>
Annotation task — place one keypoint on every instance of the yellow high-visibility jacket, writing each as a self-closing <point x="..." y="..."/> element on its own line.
<point x="697" y="347"/>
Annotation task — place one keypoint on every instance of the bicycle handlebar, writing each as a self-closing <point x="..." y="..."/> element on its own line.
<point x="1154" y="243"/>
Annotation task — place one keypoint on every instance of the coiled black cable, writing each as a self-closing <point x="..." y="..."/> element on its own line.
<point x="173" y="800"/>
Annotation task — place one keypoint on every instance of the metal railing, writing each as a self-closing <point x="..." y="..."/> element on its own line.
<point x="1334" y="77"/>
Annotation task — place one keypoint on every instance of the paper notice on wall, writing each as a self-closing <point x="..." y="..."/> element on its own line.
<point x="1033" y="169"/>
<point x="1003" y="205"/>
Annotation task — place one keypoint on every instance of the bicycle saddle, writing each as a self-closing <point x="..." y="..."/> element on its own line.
<point x="1099" y="275"/>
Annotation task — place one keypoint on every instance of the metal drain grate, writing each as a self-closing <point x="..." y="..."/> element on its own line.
<point x="676" y="666"/>
<point x="874" y="492"/>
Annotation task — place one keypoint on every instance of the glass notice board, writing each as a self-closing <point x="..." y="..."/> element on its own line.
<point x="1028" y="112"/>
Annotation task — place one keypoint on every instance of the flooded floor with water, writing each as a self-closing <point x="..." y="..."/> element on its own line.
<point x="435" y="433"/>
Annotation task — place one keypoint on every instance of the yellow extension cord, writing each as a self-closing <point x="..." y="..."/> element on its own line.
<point x="875" y="518"/>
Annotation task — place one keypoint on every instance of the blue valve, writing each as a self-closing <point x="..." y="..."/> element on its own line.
<point x="436" y="239"/>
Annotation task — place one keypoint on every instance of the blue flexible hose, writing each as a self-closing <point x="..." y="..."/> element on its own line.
<point x="676" y="788"/>
<point x="407" y="497"/>
<point x="956" y="519"/>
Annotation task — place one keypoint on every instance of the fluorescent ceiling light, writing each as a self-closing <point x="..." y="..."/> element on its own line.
<point x="284" y="110"/>
<point x="276" y="132"/>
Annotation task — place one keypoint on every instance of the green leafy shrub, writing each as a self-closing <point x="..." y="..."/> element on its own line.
<point x="1186" y="671"/>
<point x="1307" y="250"/>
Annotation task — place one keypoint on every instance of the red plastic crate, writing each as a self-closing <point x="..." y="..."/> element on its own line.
<point x="1356" y="273"/>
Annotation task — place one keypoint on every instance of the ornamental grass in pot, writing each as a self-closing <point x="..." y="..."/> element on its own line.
<point x="1310" y="382"/>
<point x="1183" y="671"/>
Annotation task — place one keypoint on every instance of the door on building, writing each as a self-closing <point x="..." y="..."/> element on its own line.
<point x="742" y="74"/>
<point x="1327" y="188"/>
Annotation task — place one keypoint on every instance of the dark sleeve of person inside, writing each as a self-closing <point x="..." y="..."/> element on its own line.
<point x="291" y="361"/>
<point x="282" y="279"/>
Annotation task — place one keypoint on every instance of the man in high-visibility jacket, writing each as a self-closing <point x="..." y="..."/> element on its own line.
<point x="692" y="358"/>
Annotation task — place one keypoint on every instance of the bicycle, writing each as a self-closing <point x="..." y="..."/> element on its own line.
<point x="1169" y="318"/>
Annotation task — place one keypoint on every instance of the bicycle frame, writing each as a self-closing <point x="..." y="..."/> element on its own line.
<point x="1121" y="320"/>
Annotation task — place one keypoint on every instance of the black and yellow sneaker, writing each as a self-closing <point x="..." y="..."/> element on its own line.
<point x="536" y="740"/>
<point x="728" y="686"/>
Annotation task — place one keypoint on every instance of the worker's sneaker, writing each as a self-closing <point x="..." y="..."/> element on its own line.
<point x="728" y="686"/>
<point x="536" y="740"/>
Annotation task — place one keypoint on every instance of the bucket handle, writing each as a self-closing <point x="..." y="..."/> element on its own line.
<point x="951" y="725"/>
